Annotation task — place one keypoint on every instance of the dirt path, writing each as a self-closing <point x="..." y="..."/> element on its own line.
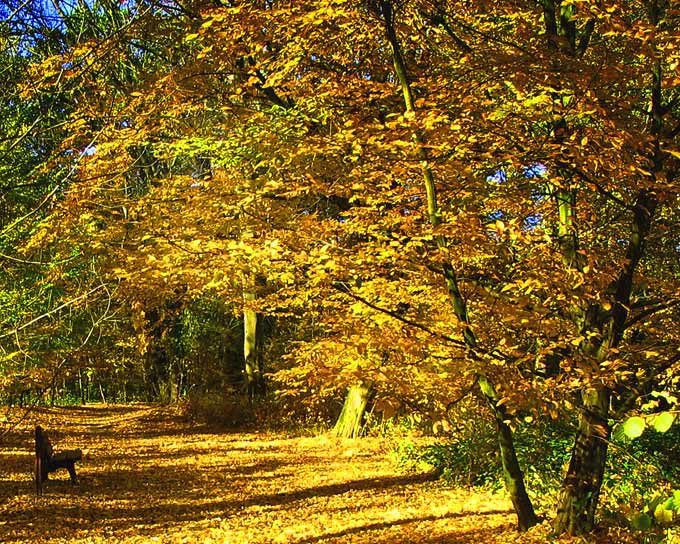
<point x="149" y="477"/>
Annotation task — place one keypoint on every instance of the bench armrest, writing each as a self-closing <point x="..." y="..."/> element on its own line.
<point x="67" y="455"/>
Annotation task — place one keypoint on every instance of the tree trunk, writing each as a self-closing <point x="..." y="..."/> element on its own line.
<point x="253" y="368"/>
<point x="582" y="484"/>
<point x="512" y="473"/>
<point x="513" y="476"/>
<point x="172" y="392"/>
<point x="349" y="422"/>
<point x="101" y="391"/>
<point x="81" y="387"/>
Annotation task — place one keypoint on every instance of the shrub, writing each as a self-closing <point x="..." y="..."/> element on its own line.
<point x="470" y="456"/>
<point x="227" y="409"/>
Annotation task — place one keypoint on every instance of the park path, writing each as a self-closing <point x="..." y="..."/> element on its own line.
<point x="151" y="476"/>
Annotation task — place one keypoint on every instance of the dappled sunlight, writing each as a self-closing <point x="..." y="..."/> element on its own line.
<point x="149" y="476"/>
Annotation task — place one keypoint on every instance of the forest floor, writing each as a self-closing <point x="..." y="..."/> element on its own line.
<point x="151" y="476"/>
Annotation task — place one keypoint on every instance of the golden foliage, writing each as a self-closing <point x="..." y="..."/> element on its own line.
<point x="556" y="183"/>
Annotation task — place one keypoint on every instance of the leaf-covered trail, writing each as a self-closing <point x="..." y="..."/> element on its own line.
<point x="150" y="477"/>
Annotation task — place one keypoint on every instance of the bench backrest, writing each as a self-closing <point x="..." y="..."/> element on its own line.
<point x="43" y="446"/>
<point x="43" y="457"/>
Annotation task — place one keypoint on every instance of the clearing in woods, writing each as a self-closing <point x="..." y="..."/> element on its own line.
<point x="149" y="476"/>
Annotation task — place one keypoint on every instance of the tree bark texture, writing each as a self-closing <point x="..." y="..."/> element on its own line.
<point x="582" y="484"/>
<point x="350" y="421"/>
<point x="253" y="368"/>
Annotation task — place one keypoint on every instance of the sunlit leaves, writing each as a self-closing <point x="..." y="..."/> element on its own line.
<point x="230" y="148"/>
<point x="634" y="426"/>
<point x="662" y="422"/>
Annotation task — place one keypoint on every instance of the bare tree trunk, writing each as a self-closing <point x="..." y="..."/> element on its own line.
<point x="101" y="391"/>
<point x="81" y="386"/>
<point x="253" y="368"/>
<point x="513" y="476"/>
<point x="350" y="421"/>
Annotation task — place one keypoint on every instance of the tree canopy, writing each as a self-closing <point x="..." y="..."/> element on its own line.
<point x="426" y="197"/>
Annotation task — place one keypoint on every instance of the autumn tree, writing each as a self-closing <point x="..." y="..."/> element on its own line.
<point x="642" y="126"/>
<point x="452" y="196"/>
<point x="33" y="180"/>
<point x="547" y="203"/>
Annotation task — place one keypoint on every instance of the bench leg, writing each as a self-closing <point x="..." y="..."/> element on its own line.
<point x="72" y="473"/>
<point x="38" y="476"/>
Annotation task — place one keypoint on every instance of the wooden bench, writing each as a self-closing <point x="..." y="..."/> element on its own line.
<point x="47" y="461"/>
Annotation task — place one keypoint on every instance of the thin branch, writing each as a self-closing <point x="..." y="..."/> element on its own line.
<point x="464" y="394"/>
<point x="32" y="212"/>
<point x="47" y="314"/>
<point x="585" y="37"/>
<point x="56" y="188"/>
<point x="494" y="38"/>
<point x="440" y="19"/>
<point x="21" y="137"/>
<point x="344" y="288"/>
<point x="26" y="412"/>
<point x="600" y="189"/>
<point x="629" y="397"/>
<point x="16" y="11"/>
<point x="181" y="247"/>
<point x="40" y="263"/>
<point x="650" y="311"/>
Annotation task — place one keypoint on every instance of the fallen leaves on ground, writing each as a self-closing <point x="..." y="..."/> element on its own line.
<point x="149" y="476"/>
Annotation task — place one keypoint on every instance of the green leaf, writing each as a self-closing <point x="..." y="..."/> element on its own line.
<point x="662" y="514"/>
<point x="618" y="434"/>
<point x="673" y="503"/>
<point x="641" y="521"/>
<point x="634" y="426"/>
<point x="663" y="421"/>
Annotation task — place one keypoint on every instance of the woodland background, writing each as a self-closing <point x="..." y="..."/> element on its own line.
<point x="459" y="216"/>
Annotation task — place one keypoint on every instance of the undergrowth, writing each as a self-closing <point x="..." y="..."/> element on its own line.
<point x="640" y="473"/>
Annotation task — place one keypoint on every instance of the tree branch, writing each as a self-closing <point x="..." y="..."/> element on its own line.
<point x="650" y="311"/>
<point x="47" y="314"/>
<point x="344" y="288"/>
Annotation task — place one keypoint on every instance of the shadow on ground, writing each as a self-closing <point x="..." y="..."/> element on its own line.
<point x="148" y="475"/>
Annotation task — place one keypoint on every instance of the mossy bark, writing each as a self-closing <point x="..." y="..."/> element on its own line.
<point x="252" y="366"/>
<point x="582" y="484"/>
<point x="350" y="421"/>
<point x="513" y="476"/>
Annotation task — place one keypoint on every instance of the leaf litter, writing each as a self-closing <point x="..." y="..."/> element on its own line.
<point x="151" y="476"/>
